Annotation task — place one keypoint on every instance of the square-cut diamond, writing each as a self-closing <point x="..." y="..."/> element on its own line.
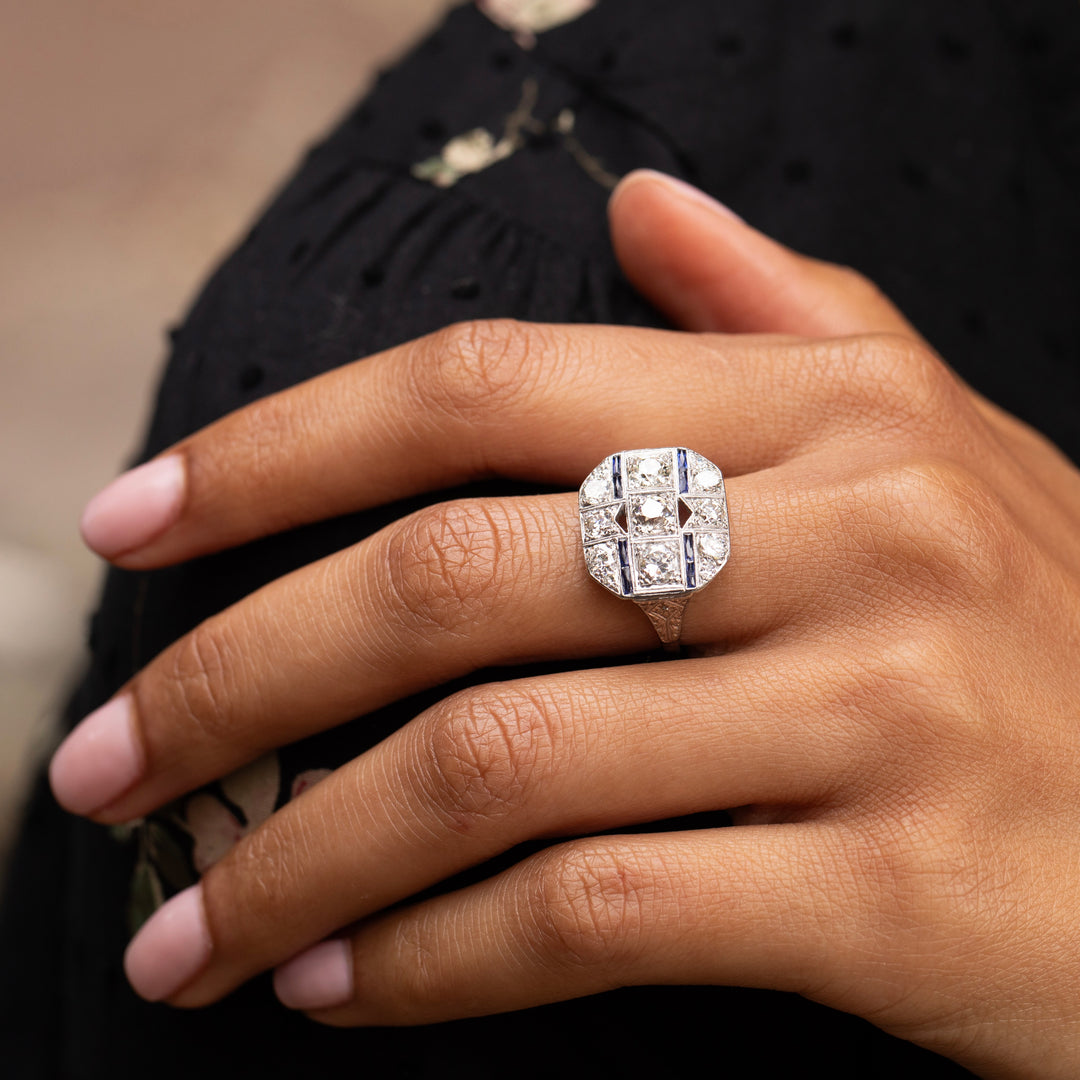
<point x="653" y="515"/>
<point x="657" y="564"/>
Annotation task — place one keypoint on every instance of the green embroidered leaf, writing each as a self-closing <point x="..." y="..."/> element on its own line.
<point x="146" y="895"/>
<point x="123" y="832"/>
<point x="167" y="855"/>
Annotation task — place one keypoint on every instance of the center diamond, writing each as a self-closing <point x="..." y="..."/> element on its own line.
<point x="653" y="515"/>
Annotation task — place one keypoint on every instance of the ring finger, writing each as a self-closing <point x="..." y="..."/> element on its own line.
<point x="453" y="588"/>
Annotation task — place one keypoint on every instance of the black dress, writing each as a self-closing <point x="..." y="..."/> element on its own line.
<point x="936" y="147"/>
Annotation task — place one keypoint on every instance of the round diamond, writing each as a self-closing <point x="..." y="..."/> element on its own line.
<point x="598" y="486"/>
<point x="658" y="564"/>
<point x="653" y="515"/>
<point x="650" y="470"/>
<point x="603" y="563"/>
<point x="712" y="553"/>
<point x="713" y="545"/>
<point x="705" y="477"/>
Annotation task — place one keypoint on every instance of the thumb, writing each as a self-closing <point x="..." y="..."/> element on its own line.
<point x="707" y="269"/>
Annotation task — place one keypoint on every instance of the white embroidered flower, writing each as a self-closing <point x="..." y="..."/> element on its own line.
<point x="529" y="17"/>
<point x="214" y="827"/>
<point x="464" y="154"/>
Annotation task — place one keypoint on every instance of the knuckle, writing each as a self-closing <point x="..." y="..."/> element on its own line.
<point x="420" y="979"/>
<point x="250" y="880"/>
<point x="855" y="282"/>
<point x="484" y="749"/>
<point x="588" y="907"/>
<point x="479" y="366"/>
<point x="898" y="381"/>
<point x="196" y="681"/>
<point x="946" y="527"/>
<point x="912" y="873"/>
<point x="447" y="563"/>
<point x="912" y="687"/>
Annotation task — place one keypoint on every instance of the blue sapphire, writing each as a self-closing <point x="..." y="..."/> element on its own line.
<point x="616" y="475"/>
<point x="684" y="476"/>
<point x="691" y="569"/>
<point x="624" y="567"/>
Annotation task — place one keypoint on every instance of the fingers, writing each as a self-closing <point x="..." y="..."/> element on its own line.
<point x="543" y="403"/>
<point x="710" y="270"/>
<point x="497" y="765"/>
<point x="761" y="906"/>
<point x="454" y="588"/>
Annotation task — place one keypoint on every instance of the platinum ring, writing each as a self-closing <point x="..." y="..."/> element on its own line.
<point x="654" y="528"/>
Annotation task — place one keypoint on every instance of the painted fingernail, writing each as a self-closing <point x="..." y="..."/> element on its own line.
<point x="320" y="978"/>
<point x="136" y="507"/>
<point x="99" y="760"/>
<point x="682" y="189"/>
<point x="171" y="948"/>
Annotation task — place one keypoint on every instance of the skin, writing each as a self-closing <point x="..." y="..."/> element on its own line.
<point x="883" y="679"/>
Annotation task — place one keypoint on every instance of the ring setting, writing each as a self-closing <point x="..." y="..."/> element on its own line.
<point x="654" y="528"/>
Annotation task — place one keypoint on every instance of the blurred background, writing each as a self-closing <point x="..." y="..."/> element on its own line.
<point x="139" y="138"/>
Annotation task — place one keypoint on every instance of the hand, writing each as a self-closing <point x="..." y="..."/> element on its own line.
<point x="885" y="679"/>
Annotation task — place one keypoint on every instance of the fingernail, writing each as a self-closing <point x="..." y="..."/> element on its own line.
<point x="677" y="187"/>
<point x="135" y="507"/>
<point x="170" y="948"/>
<point x="320" y="978"/>
<point x="99" y="760"/>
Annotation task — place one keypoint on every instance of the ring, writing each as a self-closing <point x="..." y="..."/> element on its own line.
<point x="654" y="528"/>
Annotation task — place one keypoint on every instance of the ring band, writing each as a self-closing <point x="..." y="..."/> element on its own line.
<point x="654" y="529"/>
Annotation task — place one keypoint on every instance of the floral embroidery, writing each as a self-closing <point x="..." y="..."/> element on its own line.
<point x="527" y="18"/>
<point x="213" y="825"/>
<point x="478" y="149"/>
<point x="468" y="153"/>
<point x="207" y="826"/>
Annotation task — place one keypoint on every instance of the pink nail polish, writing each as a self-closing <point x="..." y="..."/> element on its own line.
<point x="683" y="189"/>
<point x="99" y="760"/>
<point x="171" y="948"/>
<point x="136" y="507"/>
<point x="320" y="978"/>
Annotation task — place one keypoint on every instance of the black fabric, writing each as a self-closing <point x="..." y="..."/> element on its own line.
<point x="936" y="147"/>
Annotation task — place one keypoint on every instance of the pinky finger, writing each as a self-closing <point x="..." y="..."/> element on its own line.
<point x="751" y="906"/>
